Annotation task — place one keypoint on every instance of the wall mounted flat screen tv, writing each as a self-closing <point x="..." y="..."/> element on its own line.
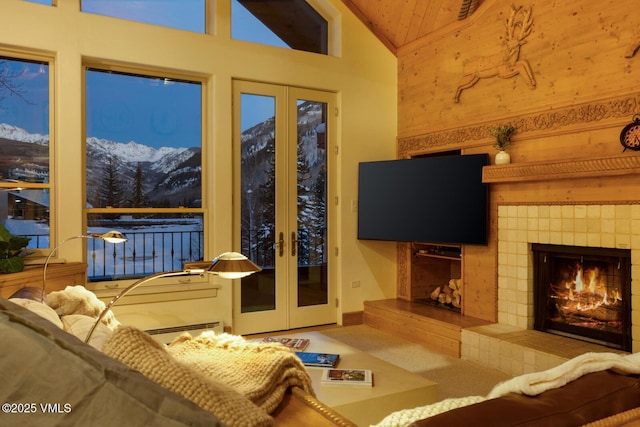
<point x="427" y="199"/>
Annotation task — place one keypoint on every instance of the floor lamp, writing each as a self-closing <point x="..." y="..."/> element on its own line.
<point x="110" y="236"/>
<point x="229" y="265"/>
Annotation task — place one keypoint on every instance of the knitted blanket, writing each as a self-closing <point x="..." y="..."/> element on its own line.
<point x="139" y="351"/>
<point x="260" y="371"/>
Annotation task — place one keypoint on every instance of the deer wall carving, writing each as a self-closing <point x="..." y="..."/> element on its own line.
<point x="506" y="64"/>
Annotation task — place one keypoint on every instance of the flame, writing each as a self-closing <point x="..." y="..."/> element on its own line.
<point x="588" y="282"/>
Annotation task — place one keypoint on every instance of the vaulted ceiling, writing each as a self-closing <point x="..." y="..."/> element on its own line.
<point x="399" y="22"/>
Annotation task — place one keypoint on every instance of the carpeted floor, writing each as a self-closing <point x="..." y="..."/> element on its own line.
<point x="455" y="377"/>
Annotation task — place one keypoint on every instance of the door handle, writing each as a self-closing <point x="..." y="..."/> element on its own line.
<point x="280" y="244"/>
<point x="294" y="243"/>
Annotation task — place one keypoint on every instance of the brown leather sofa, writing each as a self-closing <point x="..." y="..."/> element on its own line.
<point x="604" y="398"/>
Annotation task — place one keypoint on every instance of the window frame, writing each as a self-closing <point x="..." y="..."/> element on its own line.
<point x="25" y="55"/>
<point x="327" y="12"/>
<point x="206" y="16"/>
<point x="149" y="71"/>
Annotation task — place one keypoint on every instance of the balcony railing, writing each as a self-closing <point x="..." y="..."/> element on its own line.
<point x="144" y="253"/>
<point x="148" y="252"/>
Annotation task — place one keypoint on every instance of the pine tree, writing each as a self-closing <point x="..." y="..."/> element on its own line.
<point x="319" y="225"/>
<point x="111" y="193"/>
<point x="305" y="211"/>
<point x="267" y="209"/>
<point x="139" y="197"/>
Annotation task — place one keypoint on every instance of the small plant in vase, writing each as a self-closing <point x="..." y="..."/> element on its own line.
<point x="502" y="134"/>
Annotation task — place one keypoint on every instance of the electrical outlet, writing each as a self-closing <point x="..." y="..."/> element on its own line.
<point x="355" y="284"/>
<point x="354" y="206"/>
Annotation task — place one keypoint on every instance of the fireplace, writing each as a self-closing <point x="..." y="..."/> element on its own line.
<point x="583" y="293"/>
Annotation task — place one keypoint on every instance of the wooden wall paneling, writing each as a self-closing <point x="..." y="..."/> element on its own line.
<point x="586" y="91"/>
<point x="403" y="284"/>
<point x="576" y="51"/>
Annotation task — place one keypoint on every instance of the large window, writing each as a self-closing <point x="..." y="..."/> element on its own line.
<point x="24" y="149"/>
<point x="290" y="23"/>
<point x="181" y="14"/>
<point x="143" y="172"/>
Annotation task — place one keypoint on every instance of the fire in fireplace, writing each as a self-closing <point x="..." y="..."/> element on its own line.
<point x="584" y="293"/>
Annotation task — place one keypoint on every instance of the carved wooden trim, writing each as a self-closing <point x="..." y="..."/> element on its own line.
<point x="404" y="271"/>
<point x="321" y="408"/>
<point x="588" y="113"/>
<point x="563" y="169"/>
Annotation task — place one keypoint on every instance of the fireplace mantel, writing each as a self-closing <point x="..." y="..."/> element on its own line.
<point x="562" y="169"/>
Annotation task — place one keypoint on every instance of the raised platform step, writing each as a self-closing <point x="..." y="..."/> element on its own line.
<point x="429" y="326"/>
<point x="518" y="351"/>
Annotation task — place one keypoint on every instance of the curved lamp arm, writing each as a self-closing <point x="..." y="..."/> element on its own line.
<point x="112" y="236"/>
<point x="125" y="291"/>
<point x="229" y="265"/>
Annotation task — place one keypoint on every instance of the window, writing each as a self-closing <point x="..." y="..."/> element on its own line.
<point x="47" y="2"/>
<point x="143" y="172"/>
<point x="24" y="149"/>
<point x="181" y="14"/>
<point x="289" y="23"/>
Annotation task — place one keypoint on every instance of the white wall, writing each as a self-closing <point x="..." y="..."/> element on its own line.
<point x="364" y="76"/>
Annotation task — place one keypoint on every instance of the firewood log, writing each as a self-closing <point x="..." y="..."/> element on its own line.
<point x="457" y="301"/>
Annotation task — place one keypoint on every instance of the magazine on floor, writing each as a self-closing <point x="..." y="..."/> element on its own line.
<point x="297" y="344"/>
<point x="347" y="377"/>
<point x="318" y="360"/>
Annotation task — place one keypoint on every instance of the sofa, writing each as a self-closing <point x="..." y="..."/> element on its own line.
<point x="48" y="376"/>
<point x="606" y="398"/>
<point x="51" y="377"/>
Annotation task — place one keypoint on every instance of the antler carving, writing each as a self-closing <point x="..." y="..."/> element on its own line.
<point x="633" y="46"/>
<point x="504" y="65"/>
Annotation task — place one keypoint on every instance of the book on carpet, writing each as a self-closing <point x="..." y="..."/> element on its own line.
<point x="318" y="360"/>
<point x="297" y="344"/>
<point x="347" y="377"/>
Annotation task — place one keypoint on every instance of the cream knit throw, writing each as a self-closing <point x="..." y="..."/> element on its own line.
<point x="260" y="371"/>
<point x="139" y="351"/>
<point x="405" y="417"/>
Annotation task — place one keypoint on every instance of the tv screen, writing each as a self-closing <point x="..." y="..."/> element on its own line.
<point x="427" y="199"/>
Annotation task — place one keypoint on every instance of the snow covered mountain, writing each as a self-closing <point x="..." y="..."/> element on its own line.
<point x="170" y="176"/>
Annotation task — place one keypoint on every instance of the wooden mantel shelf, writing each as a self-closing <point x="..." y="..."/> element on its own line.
<point x="562" y="169"/>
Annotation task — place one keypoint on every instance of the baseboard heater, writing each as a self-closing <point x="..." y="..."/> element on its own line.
<point x="168" y="334"/>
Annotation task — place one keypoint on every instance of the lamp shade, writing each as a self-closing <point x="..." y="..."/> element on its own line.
<point x="112" y="236"/>
<point x="233" y="265"/>
<point x="230" y="265"/>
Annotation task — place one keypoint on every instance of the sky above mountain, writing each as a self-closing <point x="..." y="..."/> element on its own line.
<point x="162" y="115"/>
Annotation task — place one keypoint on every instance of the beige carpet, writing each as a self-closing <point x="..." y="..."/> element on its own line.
<point x="455" y="377"/>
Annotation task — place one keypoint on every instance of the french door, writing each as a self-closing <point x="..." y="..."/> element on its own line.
<point x="282" y="137"/>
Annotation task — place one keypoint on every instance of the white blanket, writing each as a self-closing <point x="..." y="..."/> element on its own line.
<point x="538" y="382"/>
<point x="529" y="384"/>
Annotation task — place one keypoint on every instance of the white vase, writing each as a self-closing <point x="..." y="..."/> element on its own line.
<point x="502" y="158"/>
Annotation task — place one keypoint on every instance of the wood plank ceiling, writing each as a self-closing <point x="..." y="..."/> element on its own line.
<point x="399" y="22"/>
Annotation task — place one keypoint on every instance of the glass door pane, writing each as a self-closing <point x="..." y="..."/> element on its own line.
<point x="311" y="203"/>
<point x="258" y="199"/>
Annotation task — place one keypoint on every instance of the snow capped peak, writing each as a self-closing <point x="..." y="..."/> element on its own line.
<point x="131" y="151"/>
<point x="18" y="134"/>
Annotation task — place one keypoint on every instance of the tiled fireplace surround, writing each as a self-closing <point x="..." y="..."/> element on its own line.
<point x="511" y="345"/>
